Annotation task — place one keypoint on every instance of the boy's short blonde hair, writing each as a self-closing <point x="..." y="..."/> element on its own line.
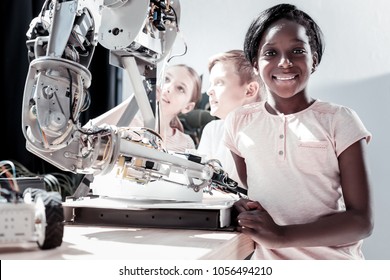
<point x="243" y="67"/>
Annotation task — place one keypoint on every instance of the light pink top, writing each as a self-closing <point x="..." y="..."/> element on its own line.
<point x="177" y="142"/>
<point x="292" y="167"/>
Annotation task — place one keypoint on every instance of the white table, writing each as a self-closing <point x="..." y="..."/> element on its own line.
<point x="94" y="243"/>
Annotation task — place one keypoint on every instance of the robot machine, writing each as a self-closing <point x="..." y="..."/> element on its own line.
<point x="130" y="179"/>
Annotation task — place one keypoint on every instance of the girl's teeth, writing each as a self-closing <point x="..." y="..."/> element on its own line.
<point x="285" y="78"/>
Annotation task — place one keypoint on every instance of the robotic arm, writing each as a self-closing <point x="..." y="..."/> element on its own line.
<point x="61" y="42"/>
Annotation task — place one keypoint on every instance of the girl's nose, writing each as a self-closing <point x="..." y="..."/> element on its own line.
<point x="166" y="89"/>
<point x="209" y="91"/>
<point x="285" y="62"/>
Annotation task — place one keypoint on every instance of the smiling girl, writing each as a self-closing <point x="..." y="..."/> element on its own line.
<point x="301" y="158"/>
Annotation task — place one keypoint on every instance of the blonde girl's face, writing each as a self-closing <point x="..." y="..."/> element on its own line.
<point x="176" y="93"/>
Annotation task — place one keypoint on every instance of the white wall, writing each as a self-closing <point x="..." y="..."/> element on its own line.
<point x="355" y="71"/>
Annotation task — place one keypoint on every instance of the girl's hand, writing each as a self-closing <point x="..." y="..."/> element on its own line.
<point x="244" y="205"/>
<point x="259" y="226"/>
<point x="238" y="207"/>
<point x="241" y="205"/>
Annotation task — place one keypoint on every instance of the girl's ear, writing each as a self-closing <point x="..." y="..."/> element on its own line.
<point x="188" y="108"/>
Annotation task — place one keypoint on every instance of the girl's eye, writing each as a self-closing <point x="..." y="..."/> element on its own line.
<point x="269" y="53"/>
<point x="299" y="51"/>
<point x="167" y="79"/>
<point x="181" y="89"/>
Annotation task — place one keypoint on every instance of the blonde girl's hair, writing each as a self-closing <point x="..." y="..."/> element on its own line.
<point x="195" y="95"/>
<point x="196" y="92"/>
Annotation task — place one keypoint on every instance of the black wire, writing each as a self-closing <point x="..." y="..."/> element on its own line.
<point x="178" y="31"/>
<point x="70" y="97"/>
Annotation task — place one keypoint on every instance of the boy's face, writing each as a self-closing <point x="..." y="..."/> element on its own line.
<point x="226" y="91"/>
<point x="285" y="59"/>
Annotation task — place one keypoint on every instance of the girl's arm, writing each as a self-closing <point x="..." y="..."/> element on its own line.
<point x="351" y="225"/>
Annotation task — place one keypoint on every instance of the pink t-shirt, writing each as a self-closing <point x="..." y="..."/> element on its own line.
<point x="179" y="142"/>
<point x="292" y="167"/>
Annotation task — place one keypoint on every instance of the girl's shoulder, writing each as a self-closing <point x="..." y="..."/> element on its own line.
<point x="330" y="108"/>
<point x="335" y="113"/>
<point x="248" y="109"/>
<point x="244" y="116"/>
<point x="340" y="116"/>
<point x="179" y="142"/>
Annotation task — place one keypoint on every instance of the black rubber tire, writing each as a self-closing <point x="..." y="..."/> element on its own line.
<point x="54" y="220"/>
<point x="54" y="214"/>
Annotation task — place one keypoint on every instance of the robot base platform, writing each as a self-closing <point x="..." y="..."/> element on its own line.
<point x="212" y="213"/>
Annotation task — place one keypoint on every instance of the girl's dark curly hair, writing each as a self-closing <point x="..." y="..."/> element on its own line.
<point x="282" y="11"/>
